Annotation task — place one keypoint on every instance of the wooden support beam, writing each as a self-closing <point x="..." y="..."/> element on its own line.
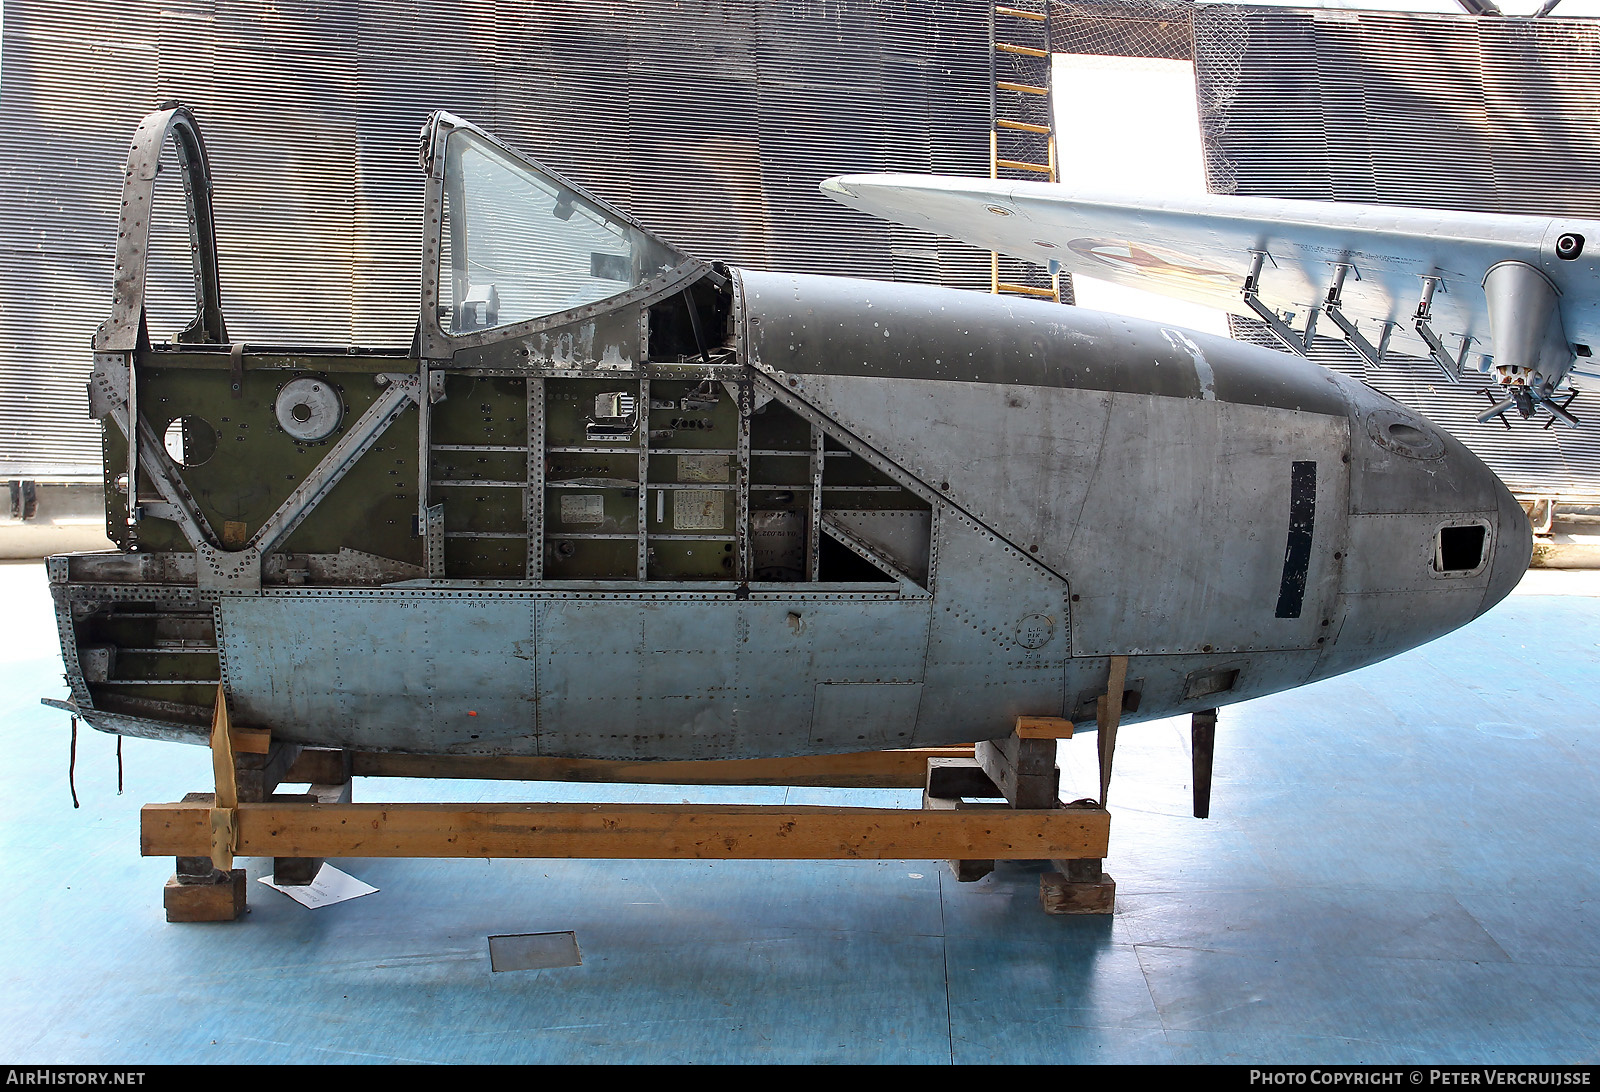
<point x="966" y="870"/>
<point x="225" y="802"/>
<point x="866" y="769"/>
<point x="1108" y="715"/>
<point x="644" y="831"/>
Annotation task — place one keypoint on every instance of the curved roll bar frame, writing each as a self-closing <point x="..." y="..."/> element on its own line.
<point x="125" y="330"/>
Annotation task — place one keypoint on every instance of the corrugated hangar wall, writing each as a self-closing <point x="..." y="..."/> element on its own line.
<point x="1455" y="111"/>
<point x="712" y="121"/>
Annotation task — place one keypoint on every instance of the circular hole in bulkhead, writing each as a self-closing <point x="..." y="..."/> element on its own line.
<point x="190" y="440"/>
<point x="301" y="412"/>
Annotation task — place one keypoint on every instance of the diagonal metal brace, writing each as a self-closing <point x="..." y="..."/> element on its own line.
<point x="109" y="388"/>
<point x="1295" y="343"/>
<point x="401" y="392"/>
<point x="1332" y="306"/>
<point x="1450" y="366"/>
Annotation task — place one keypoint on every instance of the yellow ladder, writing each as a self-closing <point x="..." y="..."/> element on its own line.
<point x="1022" y="133"/>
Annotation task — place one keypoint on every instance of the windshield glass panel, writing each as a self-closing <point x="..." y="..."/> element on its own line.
<point x="518" y="245"/>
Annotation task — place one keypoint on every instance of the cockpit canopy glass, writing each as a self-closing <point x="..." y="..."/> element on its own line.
<point x="517" y="244"/>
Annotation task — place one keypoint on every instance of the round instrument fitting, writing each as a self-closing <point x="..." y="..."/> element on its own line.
<point x="1404" y="434"/>
<point x="309" y="409"/>
<point x="1569" y="246"/>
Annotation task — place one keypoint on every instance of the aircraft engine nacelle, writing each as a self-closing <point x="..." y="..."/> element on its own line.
<point x="1532" y="352"/>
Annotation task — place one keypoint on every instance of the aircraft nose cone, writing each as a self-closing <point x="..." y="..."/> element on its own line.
<point x="1513" y="549"/>
<point x="1436" y="539"/>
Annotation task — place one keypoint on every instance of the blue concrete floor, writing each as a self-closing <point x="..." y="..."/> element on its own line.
<point x="1402" y="867"/>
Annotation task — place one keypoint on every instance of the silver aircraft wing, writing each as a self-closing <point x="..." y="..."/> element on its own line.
<point x="1518" y="295"/>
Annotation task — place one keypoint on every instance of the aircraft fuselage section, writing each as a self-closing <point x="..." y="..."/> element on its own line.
<point x="1057" y="487"/>
<point x="619" y="503"/>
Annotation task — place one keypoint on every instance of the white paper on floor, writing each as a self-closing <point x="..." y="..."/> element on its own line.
<point x="329" y="887"/>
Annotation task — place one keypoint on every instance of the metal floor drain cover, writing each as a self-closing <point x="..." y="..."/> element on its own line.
<point x="533" y="951"/>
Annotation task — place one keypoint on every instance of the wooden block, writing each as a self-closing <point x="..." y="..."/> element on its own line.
<point x="1086" y="870"/>
<point x="300" y="871"/>
<point x="320" y="766"/>
<point x="257" y="775"/>
<point x="950" y="778"/>
<point x="971" y="871"/>
<point x="197" y="870"/>
<point x="222" y="900"/>
<point x="1059" y="895"/>
<point x="296" y="871"/>
<point x="251" y="741"/>
<point x="1023" y="769"/>
<point x="1043" y="728"/>
<point x="967" y="870"/>
<point x="645" y="831"/>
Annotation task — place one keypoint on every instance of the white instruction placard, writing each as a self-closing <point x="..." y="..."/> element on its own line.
<point x="697" y="510"/>
<point x="702" y="468"/>
<point x="583" y="508"/>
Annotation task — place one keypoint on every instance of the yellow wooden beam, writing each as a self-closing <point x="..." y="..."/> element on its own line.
<point x="640" y="831"/>
<point x="1033" y="16"/>
<point x="1043" y="728"/>
<point x="1024" y="126"/>
<point x="866" y="769"/>
<point x="221" y="815"/>
<point x="1108" y="715"/>
<point x="1025" y="88"/>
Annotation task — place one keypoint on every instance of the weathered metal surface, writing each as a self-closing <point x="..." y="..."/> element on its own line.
<point x="780" y="515"/>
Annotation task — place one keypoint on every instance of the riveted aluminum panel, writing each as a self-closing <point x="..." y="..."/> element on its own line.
<point x="1439" y="474"/>
<point x="902" y="536"/>
<point x="1019" y="458"/>
<point x="1376" y="626"/>
<point x="714" y="678"/>
<point x="998" y="642"/>
<point x="865" y="716"/>
<point x="798" y="325"/>
<point x="1210" y="562"/>
<point x="385" y="670"/>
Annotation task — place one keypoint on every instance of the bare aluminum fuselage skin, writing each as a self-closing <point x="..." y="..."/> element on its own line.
<point x="635" y="506"/>
<point x="1096" y="485"/>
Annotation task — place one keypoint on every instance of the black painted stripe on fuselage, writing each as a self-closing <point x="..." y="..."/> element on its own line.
<point x="1297" y="551"/>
